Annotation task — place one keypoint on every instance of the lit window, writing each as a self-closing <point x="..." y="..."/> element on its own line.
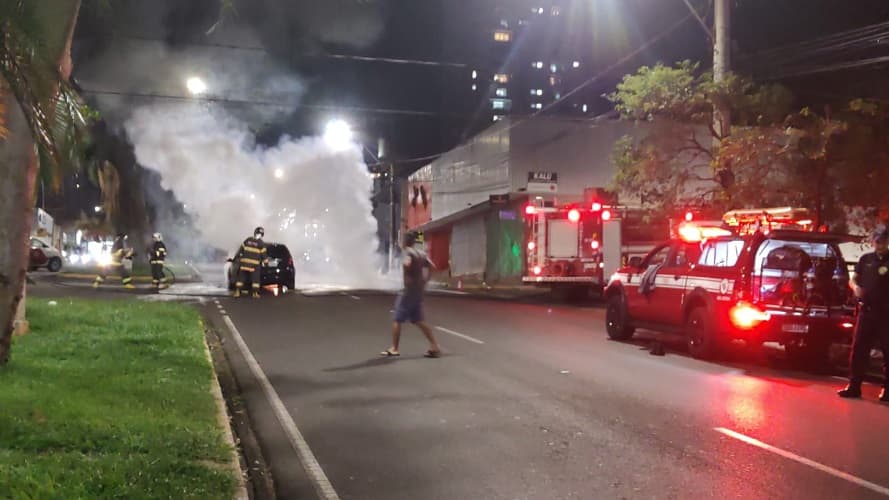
<point x="523" y="22"/>
<point x="553" y="67"/>
<point x="537" y="10"/>
<point x="584" y="108"/>
<point x="498" y="104"/>
<point x="474" y="87"/>
<point x="474" y="74"/>
<point x="502" y="36"/>
<point x="537" y="64"/>
<point x="501" y="92"/>
<point x="537" y="105"/>
<point x="553" y="81"/>
<point x="558" y="96"/>
<point x="556" y="11"/>
<point x="539" y="91"/>
<point x="497" y="118"/>
<point x="501" y="78"/>
<point x="576" y="64"/>
<point x="504" y="23"/>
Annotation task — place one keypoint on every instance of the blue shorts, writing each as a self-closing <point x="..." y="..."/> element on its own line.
<point x="408" y="309"/>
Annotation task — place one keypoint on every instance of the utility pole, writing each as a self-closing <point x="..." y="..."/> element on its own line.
<point x="722" y="53"/>
<point x="393" y="224"/>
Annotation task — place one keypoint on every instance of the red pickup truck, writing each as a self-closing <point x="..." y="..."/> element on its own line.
<point x="785" y="286"/>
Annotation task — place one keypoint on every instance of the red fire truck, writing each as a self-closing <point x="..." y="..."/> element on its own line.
<point x="763" y="276"/>
<point x="574" y="247"/>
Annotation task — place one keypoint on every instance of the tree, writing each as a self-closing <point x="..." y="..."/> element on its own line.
<point x="675" y="163"/>
<point x="44" y="122"/>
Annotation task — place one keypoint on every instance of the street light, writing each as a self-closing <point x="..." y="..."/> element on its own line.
<point x="279" y="173"/>
<point x="195" y="85"/>
<point x="97" y="209"/>
<point x="338" y="135"/>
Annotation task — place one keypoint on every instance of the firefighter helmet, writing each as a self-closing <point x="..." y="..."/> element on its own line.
<point x="259" y="233"/>
<point x="157" y="237"/>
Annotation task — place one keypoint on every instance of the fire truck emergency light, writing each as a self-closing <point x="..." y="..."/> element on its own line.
<point x="530" y="210"/>
<point x="606" y="215"/>
<point x="574" y="215"/>
<point x="532" y="245"/>
<point x="689" y="216"/>
<point x="594" y="245"/>
<point x="597" y="206"/>
<point x="537" y="270"/>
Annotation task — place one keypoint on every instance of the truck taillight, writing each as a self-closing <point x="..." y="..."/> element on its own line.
<point x="530" y="210"/>
<point x="594" y="245"/>
<point x="746" y="316"/>
<point x="537" y="270"/>
<point x="574" y="215"/>
<point x="606" y="215"/>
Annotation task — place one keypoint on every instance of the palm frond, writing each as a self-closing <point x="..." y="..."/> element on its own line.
<point x="56" y="115"/>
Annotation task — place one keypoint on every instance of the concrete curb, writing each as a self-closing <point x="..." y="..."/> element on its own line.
<point x="224" y="420"/>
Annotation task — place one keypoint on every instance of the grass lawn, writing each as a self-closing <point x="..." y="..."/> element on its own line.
<point x="110" y="400"/>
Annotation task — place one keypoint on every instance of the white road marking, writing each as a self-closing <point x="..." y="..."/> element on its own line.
<point x="805" y="461"/>
<point x="451" y="292"/>
<point x="222" y="311"/>
<point x="355" y="297"/>
<point x="307" y="458"/>
<point x="458" y="334"/>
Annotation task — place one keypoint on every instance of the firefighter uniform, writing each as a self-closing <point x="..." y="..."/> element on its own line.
<point x="157" y="256"/>
<point x="119" y="252"/>
<point x="872" y="328"/>
<point x="250" y="257"/>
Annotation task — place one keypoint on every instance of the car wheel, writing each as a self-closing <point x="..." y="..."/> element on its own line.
<point x="55" y="265"/>
<point x="617" y="323"/>
<point x="703" y="342"/>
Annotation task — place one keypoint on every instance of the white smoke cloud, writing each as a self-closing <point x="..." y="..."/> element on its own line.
<point x="312" y="198"/>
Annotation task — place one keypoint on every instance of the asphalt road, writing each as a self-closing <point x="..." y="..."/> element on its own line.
<point x="532" y="401"/>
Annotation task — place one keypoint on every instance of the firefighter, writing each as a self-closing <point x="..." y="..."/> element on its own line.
<point x="119" y="252"/>
<point x="250" y="259"/>
<point x="157" y="254"/>
<point x="871" y="287"/>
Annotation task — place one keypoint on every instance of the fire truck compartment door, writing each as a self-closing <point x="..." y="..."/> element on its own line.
<point x="611" y="247"/>
<point x="562" y="241"/>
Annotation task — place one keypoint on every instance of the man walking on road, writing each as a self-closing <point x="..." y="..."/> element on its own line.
<point x="409" y="304"/>
<point x="871" y="287"/>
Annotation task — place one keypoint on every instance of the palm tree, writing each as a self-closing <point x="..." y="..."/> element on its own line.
<point x="43" y="126"/>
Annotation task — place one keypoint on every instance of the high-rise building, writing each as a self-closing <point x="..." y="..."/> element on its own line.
<point x="523" y="56"/>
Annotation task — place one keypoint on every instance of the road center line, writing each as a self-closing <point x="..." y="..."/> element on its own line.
<point x="805" y="461"/>
<point x="458" y="334"/>
<point x="306" y="457"/>
<point x="355" y="297"/>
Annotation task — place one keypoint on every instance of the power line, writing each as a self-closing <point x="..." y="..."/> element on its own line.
<point x="328" y="55"/>
<point x="256" y="102"/>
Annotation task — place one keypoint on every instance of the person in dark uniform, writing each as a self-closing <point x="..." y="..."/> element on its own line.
<point x="871" y="287"/>
<point x="119" y="252"/>
<point x="250" y="258"/>
<point x="157" y="254"/>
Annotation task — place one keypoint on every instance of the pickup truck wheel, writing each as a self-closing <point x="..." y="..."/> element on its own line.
<point x="617" y="323"/>
<point x="55" y="265"/>
<point x="703" y="341"/>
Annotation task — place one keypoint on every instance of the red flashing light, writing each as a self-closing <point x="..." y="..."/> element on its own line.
<point x="574" y="215"/>
<point x="530" y="210"/>
<point x="537" y="270"/>
<point x="606" y="215"/>
<point x="747" y="316"/>
<point x="594" y="245"/>
<point x="597" y="206"/>
<point x="847" y="325"/>
<point x="532" y="245"/>
<point x="689" y="216"/>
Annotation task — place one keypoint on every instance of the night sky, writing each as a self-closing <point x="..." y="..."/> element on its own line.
<point x="294" y="36"/>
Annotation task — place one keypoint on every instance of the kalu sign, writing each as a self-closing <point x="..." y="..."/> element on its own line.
<point x="543" y="182"/>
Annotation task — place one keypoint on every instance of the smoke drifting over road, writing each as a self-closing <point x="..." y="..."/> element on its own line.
<point x="307" y="194"/>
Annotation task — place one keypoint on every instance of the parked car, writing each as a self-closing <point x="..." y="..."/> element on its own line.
<point x="278" y="273"/>
<point x="790" y="287"/>
<point x="44" y="255"/>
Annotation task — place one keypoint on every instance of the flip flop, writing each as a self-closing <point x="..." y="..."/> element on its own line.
<point x="432" y="354"/>
<point x="390" y="353"/>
